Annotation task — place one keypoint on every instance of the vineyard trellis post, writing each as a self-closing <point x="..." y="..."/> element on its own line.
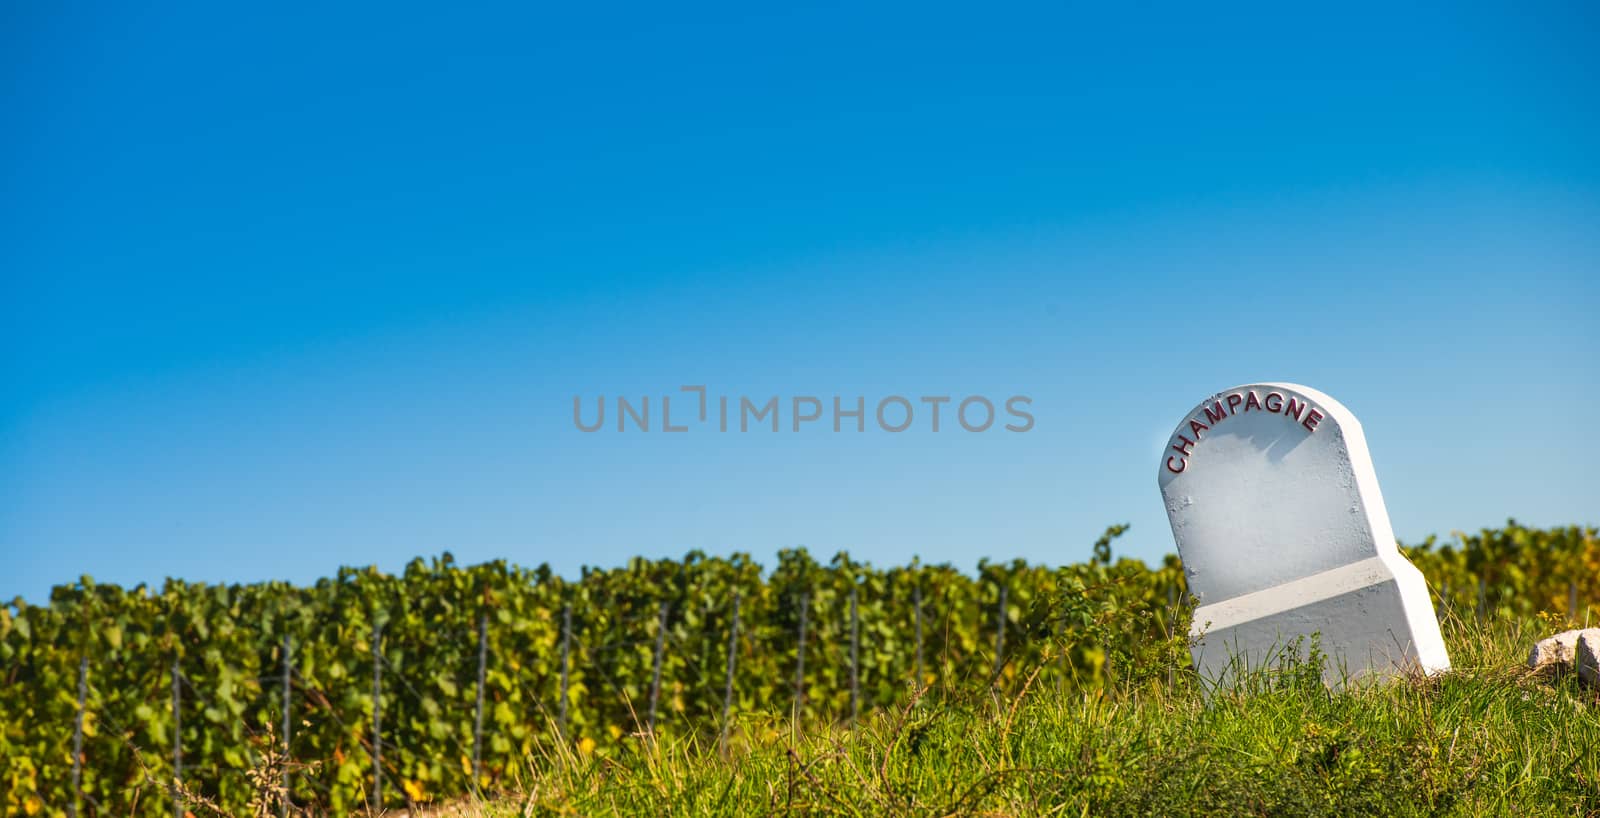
<point x="800" y="658"/>
<point x="288" y="668"/>
<point x="477" y="715"/>
<point x="1172" y="622"/>
<point x="855" y="656"/>
<point x="916" y="607"/>
<point x="77" y="736"/>
<point x="733" y="653"/>
<point x="1065" y="661"/>
<point x="177" y="738"/>
<point x="1483" y="598"/>
<point x="1444" y="598"/>
<point x="566" y="645"/>
<point x="655" y="670"/>
<point x="1000" y="634"/>
<point x="377" y="718"/>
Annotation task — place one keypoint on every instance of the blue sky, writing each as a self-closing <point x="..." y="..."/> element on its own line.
<point x="290" y="289"/>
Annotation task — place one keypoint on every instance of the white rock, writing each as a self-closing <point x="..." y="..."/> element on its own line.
<point x="1558" y="650"/>
<point x="1588" y="656"/>
<point x="1276" y="512"/>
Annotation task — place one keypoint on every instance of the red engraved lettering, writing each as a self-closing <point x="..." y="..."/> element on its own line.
<point x="1311" y="420"/>
<point x="1182" y="464"/>
<point x="1233" y="402"/>
<point x="1272" y="407"/>
<point x="1197" y="427"/>
<point x="1252" y="401"/>
<point x="1186" y="448"/>
<point x="1295" y="408"/>
<point x="1214" y="416"/>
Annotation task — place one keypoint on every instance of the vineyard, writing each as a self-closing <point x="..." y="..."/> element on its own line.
<point x="447" y="679"/>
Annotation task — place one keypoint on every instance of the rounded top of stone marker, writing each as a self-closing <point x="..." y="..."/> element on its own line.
<point x="1266" y="483"/>
<point x="1329" y="414"/>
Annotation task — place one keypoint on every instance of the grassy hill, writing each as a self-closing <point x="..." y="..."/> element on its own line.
<point x="1060" y="690"/>
<point x="1487" y="738"/>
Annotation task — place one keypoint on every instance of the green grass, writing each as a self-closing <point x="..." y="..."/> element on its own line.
<point x="1488" y="738"/>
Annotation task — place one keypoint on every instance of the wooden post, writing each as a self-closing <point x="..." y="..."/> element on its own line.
<point x="1060" y="629"/>
<point x="727" y="693"/>
<point x="566" y="647"/>
<point x="177" y="738"/>
<point x="855" y="657"/>
<point x="377" y="719"/>
<point x="477" y="717"/>
<point x="800" y="660"/>
<point x="77" y="737"/>
<point x="287" y="670"/>
<point x="1000" y="634"/>
<point x="1172" y="621"/>
<point x="655" y="672"/>
<point x="916" y="606"/>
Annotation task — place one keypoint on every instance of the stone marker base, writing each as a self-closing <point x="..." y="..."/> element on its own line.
<point x="1369" y="620"/>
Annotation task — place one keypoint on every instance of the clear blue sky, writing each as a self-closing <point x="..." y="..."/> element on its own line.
<point x="290" y="289"/>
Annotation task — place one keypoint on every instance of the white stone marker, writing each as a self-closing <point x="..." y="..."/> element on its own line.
<point x="1277" y="516"/>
